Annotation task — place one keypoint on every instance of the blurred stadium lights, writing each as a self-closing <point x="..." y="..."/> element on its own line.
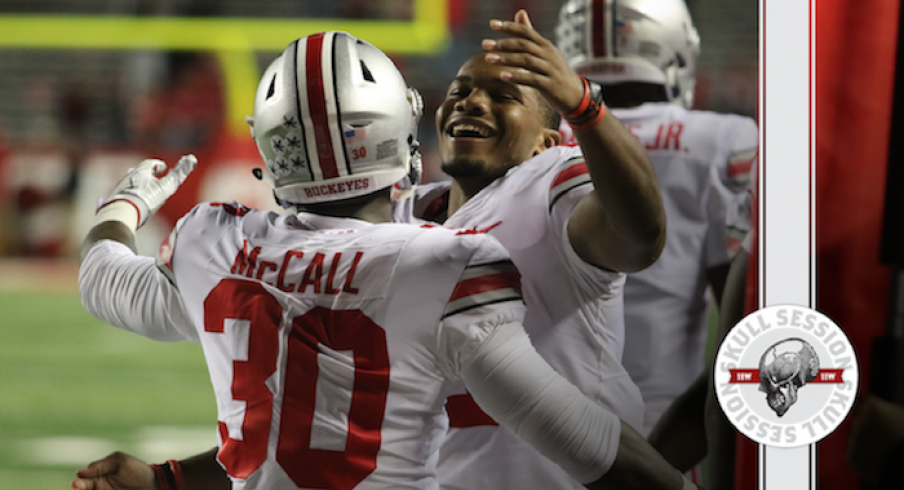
<point x="234" y="40"/>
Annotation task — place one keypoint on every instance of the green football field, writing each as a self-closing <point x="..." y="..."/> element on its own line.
<point x="73" y="389"/>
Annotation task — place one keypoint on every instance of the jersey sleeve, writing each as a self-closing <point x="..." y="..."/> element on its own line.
<point x="515" y="386"/>
<point x="729" y="193"/>
<point x="487" y="294"/>
<point x="743" y="145"/>
<point x="128" y="291"/>
<point x="570" y="184"/>
<point x="738" y="217"/>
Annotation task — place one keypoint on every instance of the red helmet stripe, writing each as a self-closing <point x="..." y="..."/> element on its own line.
<point x="317" y="106"/>
<point x="598" y="28"/>
<point x="300" y="114"/>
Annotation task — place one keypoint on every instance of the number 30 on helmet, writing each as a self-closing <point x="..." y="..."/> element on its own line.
<point x="615" y="41"/>
<point x="334" y="120"/>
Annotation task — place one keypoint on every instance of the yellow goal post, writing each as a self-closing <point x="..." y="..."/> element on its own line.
<point x="234" y="40"/>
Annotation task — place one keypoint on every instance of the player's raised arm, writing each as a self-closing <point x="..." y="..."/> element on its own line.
<point x="620" y="226"/>
<point x="136" y="198"/>
<point x="116" y="285"/>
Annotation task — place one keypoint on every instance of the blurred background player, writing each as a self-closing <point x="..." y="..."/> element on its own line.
<point x="718" y="433"/>
<point x="332" y="336"/>
<point x="644" y="53"/>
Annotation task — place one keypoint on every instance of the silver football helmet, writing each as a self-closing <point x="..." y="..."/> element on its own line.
<point x="334" y="120"/>
<point x="613" y="41"/>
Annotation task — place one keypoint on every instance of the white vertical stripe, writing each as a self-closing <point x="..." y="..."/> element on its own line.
<point x="333" y="399"/>
<point x="786" y="468"/>
<point x="787" y="153"/>
<point x="232" y="344"/>
<point x="329" y="95"/>
<point x="786" y="253"/>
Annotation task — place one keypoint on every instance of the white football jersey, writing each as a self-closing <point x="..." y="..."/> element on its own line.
<point x="702" y="161"/>
<point x="332" y="343"/>
<point x="574" y="314"/>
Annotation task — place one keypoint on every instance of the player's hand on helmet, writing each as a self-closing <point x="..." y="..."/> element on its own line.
<point x="534" y="61"/>
<point x="117" y="471"/>
<point x="144" y="188"/>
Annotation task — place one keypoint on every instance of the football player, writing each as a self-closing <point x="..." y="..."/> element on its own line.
<point x="573" y="220"/>
<point x="332" y="336"/>
<point x="644" y="54"/>
<point x="718" y="432"/>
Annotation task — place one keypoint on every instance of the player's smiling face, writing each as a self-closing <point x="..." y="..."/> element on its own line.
<point x="487" y="125"/>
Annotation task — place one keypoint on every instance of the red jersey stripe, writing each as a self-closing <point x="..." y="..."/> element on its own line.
<point x="739" y="168"/>
<point x="240" y="210"/>
<point x="569" y="173"/>
<point x="483" y="284"/>
<point x="317" y="106"/>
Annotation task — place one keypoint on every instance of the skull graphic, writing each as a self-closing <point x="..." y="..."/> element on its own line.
<point x="784" y="368"/>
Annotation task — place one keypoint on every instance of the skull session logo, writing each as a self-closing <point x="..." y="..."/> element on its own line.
<point x="786" y="376"/>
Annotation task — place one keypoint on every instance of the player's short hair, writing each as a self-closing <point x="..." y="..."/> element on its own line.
<point x="551" y="117"/>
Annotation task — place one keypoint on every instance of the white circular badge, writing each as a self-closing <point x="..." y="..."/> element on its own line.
<point x="786" y="376"/>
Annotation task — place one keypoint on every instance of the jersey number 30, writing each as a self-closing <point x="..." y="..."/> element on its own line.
<point x="341" y="330"/>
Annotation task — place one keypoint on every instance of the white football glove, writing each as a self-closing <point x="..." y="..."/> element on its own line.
<point x="144" y="191"/>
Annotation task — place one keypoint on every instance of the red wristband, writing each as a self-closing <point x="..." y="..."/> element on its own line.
<point x="163" y="475"/>
<point x="591" y="123"/>
<point x="176" y="469"/>
<point x="582" y="106"/>
<point x="590" y="111"/>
